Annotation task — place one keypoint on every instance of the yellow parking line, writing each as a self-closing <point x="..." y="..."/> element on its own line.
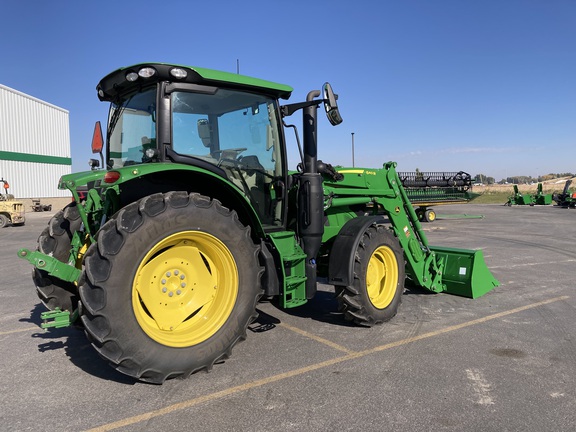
<point x="316" y="338"/>
<point x="353" y="355"/>
<point x="460" y="326"/>
<point x="18" y="330"/>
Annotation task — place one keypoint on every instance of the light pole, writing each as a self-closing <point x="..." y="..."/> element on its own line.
<point x="353" y="149"/>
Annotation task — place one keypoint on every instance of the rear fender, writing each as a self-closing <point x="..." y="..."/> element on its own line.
<point x="140" y="181"/>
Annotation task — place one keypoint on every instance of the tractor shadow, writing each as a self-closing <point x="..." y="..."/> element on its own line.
<point x="322" y="308"/>
<point x="411" y="289"/>
<point x="76" y="346"/>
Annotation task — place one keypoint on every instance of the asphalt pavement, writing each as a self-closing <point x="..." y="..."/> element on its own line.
<point x="503" y="362"/>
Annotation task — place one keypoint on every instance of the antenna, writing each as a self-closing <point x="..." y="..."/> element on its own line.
<point x="238" y="66"/>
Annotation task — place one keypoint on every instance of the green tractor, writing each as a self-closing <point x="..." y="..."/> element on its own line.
<point x="192" y="216"/>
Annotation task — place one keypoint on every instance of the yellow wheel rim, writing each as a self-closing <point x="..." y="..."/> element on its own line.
<point x="432" y="216"/>
<point x="185" y="289"/>
<point x="81" y="253"/>
<point x="382" y="277"/>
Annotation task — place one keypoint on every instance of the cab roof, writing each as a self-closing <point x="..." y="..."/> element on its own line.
<point x="126" y="79"/>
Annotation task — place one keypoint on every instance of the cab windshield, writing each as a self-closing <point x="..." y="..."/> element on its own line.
<point x="239" y="133"/>
<point x="230" y="129"/>
<point x="132" y="129"/>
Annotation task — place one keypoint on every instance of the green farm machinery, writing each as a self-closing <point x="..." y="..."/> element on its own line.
<point x="566" y="198"/>
<point x="539" y="198"/>
<point x="427" y="189"/>
<point x="190" y="216"/>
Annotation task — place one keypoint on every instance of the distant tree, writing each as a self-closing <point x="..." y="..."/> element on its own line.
<point x="484" y="179"/>
<point x="552" y="176"/>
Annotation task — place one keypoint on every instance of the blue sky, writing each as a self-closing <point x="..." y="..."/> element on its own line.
<point x="483" y="86"/>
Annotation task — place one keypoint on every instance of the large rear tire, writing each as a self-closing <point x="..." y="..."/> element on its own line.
<point x="56" y="240"/>
<point x="170" y="286"/>
<point x="376" y="292"/>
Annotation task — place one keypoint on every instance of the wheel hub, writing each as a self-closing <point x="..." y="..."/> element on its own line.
<point x="382" y="277"/>
<point x="185" y="288"/>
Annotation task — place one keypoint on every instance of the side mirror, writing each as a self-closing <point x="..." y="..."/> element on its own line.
<point x="330" y="105"/>
<point x="97" y="141"/>
<point x="204" y="131"/>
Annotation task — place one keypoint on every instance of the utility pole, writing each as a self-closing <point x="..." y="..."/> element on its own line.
<point x="353" y="149"/>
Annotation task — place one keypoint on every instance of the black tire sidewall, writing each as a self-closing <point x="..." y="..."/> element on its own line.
<point x="125" y="330"/>
<point x="55" y="240"/>
<point x="374" y="239"/>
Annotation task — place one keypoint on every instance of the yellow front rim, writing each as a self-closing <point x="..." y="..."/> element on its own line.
<point x="382" y="277"/>
<point x="185" y="289"/>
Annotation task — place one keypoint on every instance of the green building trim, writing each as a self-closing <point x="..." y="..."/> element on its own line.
<point x="28" y="157"/>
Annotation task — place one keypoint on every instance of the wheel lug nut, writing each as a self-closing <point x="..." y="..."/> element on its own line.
<point x="170" y="294"/>
<point x="182" y="277"/>
<point x="163" y="281"/>
<point x="164" y="290"/>
<point x="183" y="285"/>
<point x="178" y="292"/>
<point x="168" y="274"/>
<point x="176" y="272"/>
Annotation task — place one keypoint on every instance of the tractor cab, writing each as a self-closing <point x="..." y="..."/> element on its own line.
<point x="232" y="130"/>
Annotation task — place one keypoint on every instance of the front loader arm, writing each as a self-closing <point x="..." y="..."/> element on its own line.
<point x="422" y="265"/>
<point x="438" y="269"/>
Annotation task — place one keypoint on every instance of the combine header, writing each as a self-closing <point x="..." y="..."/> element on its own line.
<point x="425" y="189"/>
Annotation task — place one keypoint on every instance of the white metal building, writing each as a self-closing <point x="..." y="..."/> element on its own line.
<point x="34" y="145"/>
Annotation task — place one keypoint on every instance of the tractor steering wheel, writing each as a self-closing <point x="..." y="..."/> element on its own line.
<point x="229" y="155"/>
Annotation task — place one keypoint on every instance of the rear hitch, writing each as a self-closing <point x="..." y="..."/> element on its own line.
<point x="58" y="318"/>
<point x="51" y="265"/>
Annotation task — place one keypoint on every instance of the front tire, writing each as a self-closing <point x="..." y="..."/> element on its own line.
<point x="378" y="285"/>
<point x="170" y="286"/>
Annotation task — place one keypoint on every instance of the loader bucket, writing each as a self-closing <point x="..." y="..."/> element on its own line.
<point x="465" y="272"/>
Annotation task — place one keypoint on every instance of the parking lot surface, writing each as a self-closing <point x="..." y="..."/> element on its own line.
<point x="503" y="362"/>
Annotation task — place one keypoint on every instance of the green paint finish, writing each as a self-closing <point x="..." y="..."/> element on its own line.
<point x="71" y="181"/>
<point x="293" y="269"/>
<point x="438" y="269"/>
<point x="28" y="157"/>
<point x="227" y="77"/>
<point x="134" y="171"/>
<point x="58" y="318"/>
<point x="51" y="265"/>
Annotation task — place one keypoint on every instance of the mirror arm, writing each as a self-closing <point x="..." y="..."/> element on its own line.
<point x="288" y="110"/>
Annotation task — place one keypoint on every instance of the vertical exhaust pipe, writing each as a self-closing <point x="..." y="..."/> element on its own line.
<point x="310" y="197"/>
